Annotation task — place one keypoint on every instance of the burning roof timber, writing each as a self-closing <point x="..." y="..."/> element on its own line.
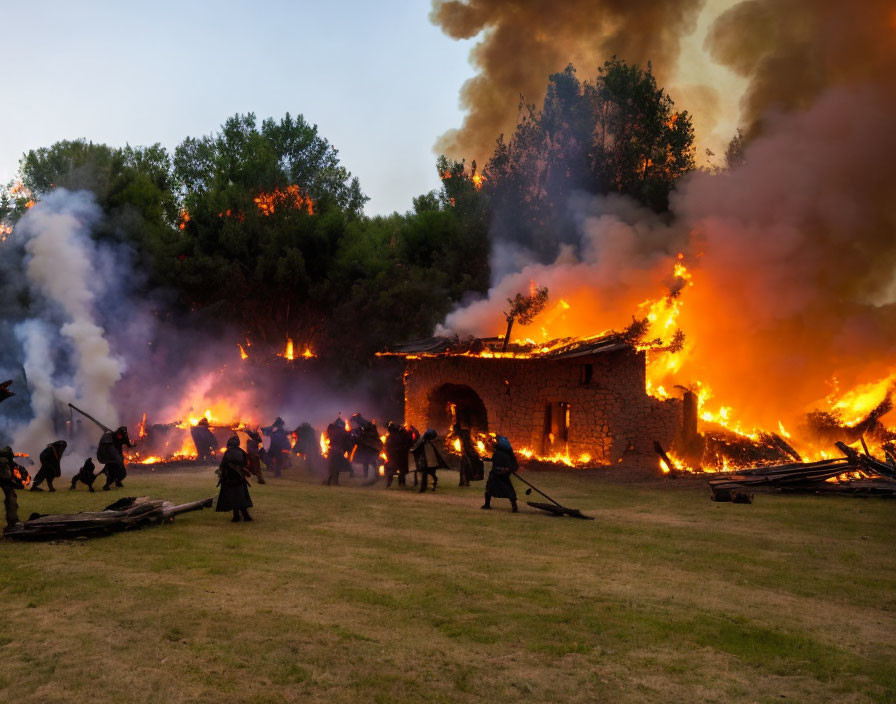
<point x="492" y="347"/>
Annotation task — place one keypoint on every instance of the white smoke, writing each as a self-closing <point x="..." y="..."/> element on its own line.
<point x="66" y="356"/>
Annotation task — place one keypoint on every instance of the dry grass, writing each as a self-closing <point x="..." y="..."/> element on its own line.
<point x="357" y="594"/>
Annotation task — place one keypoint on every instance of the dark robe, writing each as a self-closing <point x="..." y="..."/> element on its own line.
<point x="368" y="447"/>
<point x="205" y="442"/>
<point x="109" y="452"/>
<point x="306" y="441"/>
<point x="279" y="450"/>
<point x="341" y="443"/>
<point x="398" y="445"/>
<point x="499" y="485"/>
<point x="428" y="459"/>
<point x="8" y="486"/>
<point x="234" y="492"/>
<point x="252" y="450"/>
<point x="49" y="463"/>
<point x="471" y="465"/>
<point x="86" y="474"/>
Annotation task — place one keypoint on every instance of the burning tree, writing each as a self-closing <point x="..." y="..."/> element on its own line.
<point x="524" y="309"/>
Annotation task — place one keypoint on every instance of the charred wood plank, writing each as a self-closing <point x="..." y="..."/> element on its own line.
<point x="664" y="457"/>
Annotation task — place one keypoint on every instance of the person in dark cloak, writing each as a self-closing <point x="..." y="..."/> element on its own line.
<point x="306" y="442"/>
<point x="398" y="445"/>
<point x="204" y="440"/>
<point x="86" y="474"/>
<point x="233" y="473"/>
<point x="110" y="453"/>
<point x="368" y="446"/>
<point x="428" y="459"/>
<point x="471" y="465"/>
<point x="504" y="464"/>
<point x="49" y="465"/>
<point x="341" y="443"/>
<point x="253" y="447"/>
<point x="9" y="484"/>
<point x="279" y="449"/>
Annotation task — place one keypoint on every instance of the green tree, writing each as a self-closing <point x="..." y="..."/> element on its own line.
<point x="279" y="154"/>
<point x="617" y="134"/>
<point x="133" y="186"/>
<point x="641" y="146"/>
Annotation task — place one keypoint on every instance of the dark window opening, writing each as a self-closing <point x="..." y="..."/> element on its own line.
<point x="556" y="427"/>
<point x="587" y="373"/>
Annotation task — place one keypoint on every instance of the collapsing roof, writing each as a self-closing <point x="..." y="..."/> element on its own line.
<point x="493" y="347"/>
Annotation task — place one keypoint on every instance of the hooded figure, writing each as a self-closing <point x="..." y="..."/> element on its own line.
<point x="86" y="474"/>
<point x="306" y="441"/>
<point x="8" y="484"/>
<point x="234" y="494"/>
<point x="204" y="440"/>
<point x="428" y="459"/>
<point x="109" y="452"/>
<point x="398" y="445"/>
<point x="341" y="443"/>
<point x="279" y="449"/>
<point x="471" y="466"/>
<point x="49" y="464"/>
<point x="368" y="446"/>
<point x="503" y="465"/>
<point x="253" y="447"/>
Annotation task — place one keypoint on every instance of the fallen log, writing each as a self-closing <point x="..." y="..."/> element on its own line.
<point x="124" y="514"/>
<point x="169" y="510"/>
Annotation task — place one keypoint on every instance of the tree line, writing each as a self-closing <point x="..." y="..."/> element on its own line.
<point x="261" y="227"/>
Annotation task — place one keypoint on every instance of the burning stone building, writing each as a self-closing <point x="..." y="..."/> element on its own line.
<point x="584" y="403"/>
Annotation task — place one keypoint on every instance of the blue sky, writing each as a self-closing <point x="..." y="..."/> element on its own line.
<point x="379" y="80"/>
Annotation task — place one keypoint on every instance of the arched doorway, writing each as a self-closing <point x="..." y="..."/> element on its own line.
<point x="452" y="403"/>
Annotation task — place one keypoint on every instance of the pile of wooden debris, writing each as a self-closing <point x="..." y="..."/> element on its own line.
<point x="853" y="474"/>
<point x="124" y="514"/>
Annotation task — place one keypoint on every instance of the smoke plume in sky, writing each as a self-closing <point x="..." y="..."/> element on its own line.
<point x="523" y="43"/>
<point x="792" y="252"/>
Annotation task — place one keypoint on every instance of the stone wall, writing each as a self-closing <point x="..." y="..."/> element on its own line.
<point x="611" y="417"/>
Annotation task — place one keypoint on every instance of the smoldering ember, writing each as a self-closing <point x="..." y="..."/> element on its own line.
<point x="262" y="440"/>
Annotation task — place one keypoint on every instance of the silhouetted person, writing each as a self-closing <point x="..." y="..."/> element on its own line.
<point x="49" y="464"/>
<point x="204" y="440"/>
<point x="470" y="461"/>
<point x="504" y="464"/>
<point x="368" y="446"/>
<point x="253" y="448"/>
<point x="233" y="473"/>
<point x="279" y="449"/>
<point x="110" y="453"/>
<point x="398" y="445"/>
<point x="341" y="443"/>
<point x="428" y="459"/>
<point x="10" y="480"/>
<point x="307" y="443"/>
<point x="86" y="474"/>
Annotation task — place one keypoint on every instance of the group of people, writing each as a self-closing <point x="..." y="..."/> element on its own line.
<point x="13" y="476"/>
<point x="355" y="441"/>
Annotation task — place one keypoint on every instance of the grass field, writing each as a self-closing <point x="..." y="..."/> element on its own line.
<point x="356" y="594"/>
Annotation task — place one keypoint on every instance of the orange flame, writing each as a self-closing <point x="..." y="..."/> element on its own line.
<point x="292" y="197"/>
